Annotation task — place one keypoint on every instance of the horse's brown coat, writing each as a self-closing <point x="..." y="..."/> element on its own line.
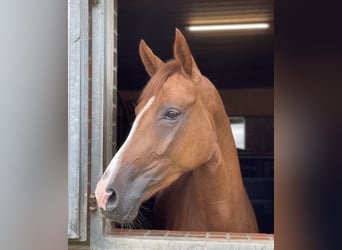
<point x="190" y="162"/>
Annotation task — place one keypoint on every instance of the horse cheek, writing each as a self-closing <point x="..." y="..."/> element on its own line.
<point x="196" y="146"/>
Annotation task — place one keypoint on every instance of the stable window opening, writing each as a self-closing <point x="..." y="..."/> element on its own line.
<point x="106" y="114"/>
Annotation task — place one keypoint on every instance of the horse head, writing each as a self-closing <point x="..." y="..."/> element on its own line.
<point x="173" y="133"/>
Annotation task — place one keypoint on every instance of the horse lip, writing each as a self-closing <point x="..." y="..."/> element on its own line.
<point x="124" y="217"/>
<point x="107" y="215"/>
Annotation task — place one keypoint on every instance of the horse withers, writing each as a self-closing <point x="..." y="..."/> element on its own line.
<point x="181" y="150"/>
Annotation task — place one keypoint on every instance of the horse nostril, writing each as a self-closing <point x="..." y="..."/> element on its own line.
<point x="112" y="200"/>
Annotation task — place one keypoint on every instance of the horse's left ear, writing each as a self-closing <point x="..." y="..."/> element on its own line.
<point x="183" y="54"/>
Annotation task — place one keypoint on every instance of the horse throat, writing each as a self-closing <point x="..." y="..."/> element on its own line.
<point x="200" y="200"/>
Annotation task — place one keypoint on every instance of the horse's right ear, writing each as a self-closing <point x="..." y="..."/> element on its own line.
<point x="183" y="55"/>
<point x="151" y="62"/>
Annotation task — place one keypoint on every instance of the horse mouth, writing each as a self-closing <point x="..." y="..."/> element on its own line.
<point x="121" y="217"/>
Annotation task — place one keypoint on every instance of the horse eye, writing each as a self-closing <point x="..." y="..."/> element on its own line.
<point x="172" y="114"/>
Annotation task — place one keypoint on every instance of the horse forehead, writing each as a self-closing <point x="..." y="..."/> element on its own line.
<point x="176" y="89"/>
<point x="179" y="87"/>
<point x="178" y="81"/>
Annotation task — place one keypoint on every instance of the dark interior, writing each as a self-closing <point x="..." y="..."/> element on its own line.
<point x="239" y="59"/>
<point x="232" y="60"/>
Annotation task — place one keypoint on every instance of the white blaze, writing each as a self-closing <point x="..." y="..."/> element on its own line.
<point x="113" y="167"/>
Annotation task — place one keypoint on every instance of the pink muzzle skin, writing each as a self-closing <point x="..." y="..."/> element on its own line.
<point x="100" y="193"/>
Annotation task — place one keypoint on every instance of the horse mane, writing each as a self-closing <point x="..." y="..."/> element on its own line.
<point x="158" y="79"/>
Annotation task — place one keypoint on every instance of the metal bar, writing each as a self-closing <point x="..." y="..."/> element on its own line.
<point x="151" y="243"/>
<point x="103" y="86"/>
<point x="109" y="84"/>
<point x="97" y="122"/>
<point x="77" y="118"/>
<point x="97" y="98"/>
<point x="84" y="119"/>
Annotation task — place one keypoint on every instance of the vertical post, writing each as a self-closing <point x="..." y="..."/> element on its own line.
<point x="110" y="85"/>
<point x="77" y="118"/>
<point x="103" y="104"/>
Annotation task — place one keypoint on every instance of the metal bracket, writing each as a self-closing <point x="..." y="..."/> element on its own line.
<point x="92" y="204"/>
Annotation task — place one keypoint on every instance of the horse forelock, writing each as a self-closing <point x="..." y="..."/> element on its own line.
<point x="159" y="78"/>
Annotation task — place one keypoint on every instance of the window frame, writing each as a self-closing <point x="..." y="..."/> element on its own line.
<point x="77" y="119"/>
<point x="103" y="127"/>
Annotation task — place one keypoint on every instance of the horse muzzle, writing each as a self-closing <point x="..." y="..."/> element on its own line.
<point x="116" y="209"/>
<point x="117" y="200"/>
<point x="120" y="193"/>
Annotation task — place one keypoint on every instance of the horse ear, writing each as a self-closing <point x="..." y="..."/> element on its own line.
<point x="183" y="54"/>
<point x="151" y="62"/>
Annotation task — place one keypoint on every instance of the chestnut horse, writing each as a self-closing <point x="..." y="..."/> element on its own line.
<point x="181" y="149"/>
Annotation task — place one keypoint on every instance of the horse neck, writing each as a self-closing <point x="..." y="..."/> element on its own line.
<point x="221" y="176"/>
<point x="222" y="173"/>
